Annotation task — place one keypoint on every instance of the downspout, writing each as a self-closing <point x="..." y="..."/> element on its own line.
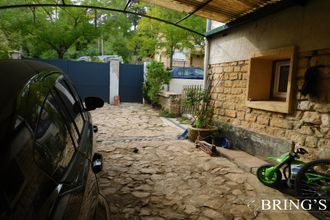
<point x="206" y="53"/>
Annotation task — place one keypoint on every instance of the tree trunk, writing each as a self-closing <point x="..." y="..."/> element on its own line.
<point x="61" y="51"/>
<point x="171" y="57"/>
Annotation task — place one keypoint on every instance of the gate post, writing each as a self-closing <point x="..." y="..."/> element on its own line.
<point x="114" y="80"/>
<point x="145" y="72"/>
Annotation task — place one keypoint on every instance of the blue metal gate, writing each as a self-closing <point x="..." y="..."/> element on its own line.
<point x="130" y="83"/>
<point x="89" y="78"/>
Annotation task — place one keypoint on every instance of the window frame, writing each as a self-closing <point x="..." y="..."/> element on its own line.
<point x="260" y="80"/>
<point x="62" y="109"/>
<point x="74" y="93"/>
<point x="277" y="74"/>
<point x="36" y="143"/>
<point x="62" y="82"/>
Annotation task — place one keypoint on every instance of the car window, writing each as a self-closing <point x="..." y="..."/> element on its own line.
<point x="72" y="106"/>
<point x="69" y="86"/>
<point x="54" y="145"/>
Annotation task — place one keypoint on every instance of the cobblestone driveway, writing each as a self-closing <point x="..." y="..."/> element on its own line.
<point x="149" y="174"/>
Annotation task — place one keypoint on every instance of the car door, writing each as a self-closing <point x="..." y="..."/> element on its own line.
<point x="37" y="155"/>
<point x="80" y="196"/>
<point x="47" y="169"/>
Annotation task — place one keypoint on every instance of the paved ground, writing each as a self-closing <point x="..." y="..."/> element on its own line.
<point x="149" y="174"/>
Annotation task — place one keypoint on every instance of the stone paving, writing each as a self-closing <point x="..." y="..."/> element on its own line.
<point x="149" y="174"/>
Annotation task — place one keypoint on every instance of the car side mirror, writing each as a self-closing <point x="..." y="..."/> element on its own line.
<point x="92" y="103"/>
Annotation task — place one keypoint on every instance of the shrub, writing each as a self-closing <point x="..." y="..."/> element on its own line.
<point x="157" y="76"/>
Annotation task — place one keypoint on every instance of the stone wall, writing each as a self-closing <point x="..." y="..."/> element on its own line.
<point x="309" y="121"/>
<point x="170" y="102"/>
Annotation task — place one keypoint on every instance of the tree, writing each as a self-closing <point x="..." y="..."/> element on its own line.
<point x="50" y="32"/>
<point x="60" y="29"/>
<point x="119" y="29"/>
<point x="48" y="28"/>
<point x="11" y="37"/>
<point x="153" y="35"/>
<point x="116" y="31"/>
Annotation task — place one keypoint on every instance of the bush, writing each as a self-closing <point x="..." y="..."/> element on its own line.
<point x="199" y="99"/>
<point x="157" y="76"/>
<point x="146" y="88"/>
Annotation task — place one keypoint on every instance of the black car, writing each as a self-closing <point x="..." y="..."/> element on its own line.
<point x="48" y="165"/>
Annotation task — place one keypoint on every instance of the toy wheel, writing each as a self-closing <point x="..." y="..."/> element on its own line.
<point x="313" y="183"/>
<point x="270" y="181"/>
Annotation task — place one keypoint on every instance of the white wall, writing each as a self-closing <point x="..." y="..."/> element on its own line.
<point x="114" y="80"/>
<point x="176" y="85"/>
<point x="307" y="27"/>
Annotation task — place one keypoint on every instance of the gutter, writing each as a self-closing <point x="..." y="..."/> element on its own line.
<point x="207" y="53"/>
<point x="256" y="15"/>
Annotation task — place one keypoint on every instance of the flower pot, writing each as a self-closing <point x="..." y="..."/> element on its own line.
<point x="203" y="132"/>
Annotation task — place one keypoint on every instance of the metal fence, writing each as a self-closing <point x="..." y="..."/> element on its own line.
<point x="89" y="78"/>
<point x="189" y="94"/>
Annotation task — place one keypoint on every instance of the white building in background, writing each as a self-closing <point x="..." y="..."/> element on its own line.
<point x="182" y="58"/>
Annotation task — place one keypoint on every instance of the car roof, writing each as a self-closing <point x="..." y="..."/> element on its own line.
<point x="14" y="74"/>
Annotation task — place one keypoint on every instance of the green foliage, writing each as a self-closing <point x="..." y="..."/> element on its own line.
<point x="184" y="120"/>
<point x="199" y="100"/>
<point x="47" y="29"/>
<point x="54" y="32"/>
<point x="203" y="116"/>
<point x="157" y="76"/>
<point x="194" y="96"/>
<point x="153" y="35"/>
<point x="166" y="114"/>
<point x="145" y="89"/>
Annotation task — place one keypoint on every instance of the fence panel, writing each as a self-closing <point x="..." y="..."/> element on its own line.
<point x="89" y="78"/>
<point x="131" y="83"/>
<point x="189" y="94"/>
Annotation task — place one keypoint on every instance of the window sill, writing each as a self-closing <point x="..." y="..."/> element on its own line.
<point x="274" y="106"/>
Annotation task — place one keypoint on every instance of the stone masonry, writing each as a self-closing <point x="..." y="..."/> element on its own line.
<point x="308" y="124"/>
<point x="170" y="102"/>
<point x="149" y="174"/>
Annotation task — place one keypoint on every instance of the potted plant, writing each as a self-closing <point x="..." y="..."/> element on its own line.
<point x="199" y="99"/>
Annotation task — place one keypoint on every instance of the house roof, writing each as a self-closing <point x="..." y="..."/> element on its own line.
<point x="219" y="10"/>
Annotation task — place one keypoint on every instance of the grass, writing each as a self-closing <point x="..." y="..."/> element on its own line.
<point x="184" y="120"/>
<point x="166" y="114"/>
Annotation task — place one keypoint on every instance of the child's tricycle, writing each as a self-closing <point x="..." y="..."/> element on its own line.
<point x="271" y="175"/>
<point x="309" y="180"/>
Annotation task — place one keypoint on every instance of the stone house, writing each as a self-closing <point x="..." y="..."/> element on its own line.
<point x="262" y="57"/>
<point x="182" y="58"/>
<point x="261" y="102"/>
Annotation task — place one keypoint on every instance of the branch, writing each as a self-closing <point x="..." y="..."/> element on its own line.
<point x="50" y="16"/>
